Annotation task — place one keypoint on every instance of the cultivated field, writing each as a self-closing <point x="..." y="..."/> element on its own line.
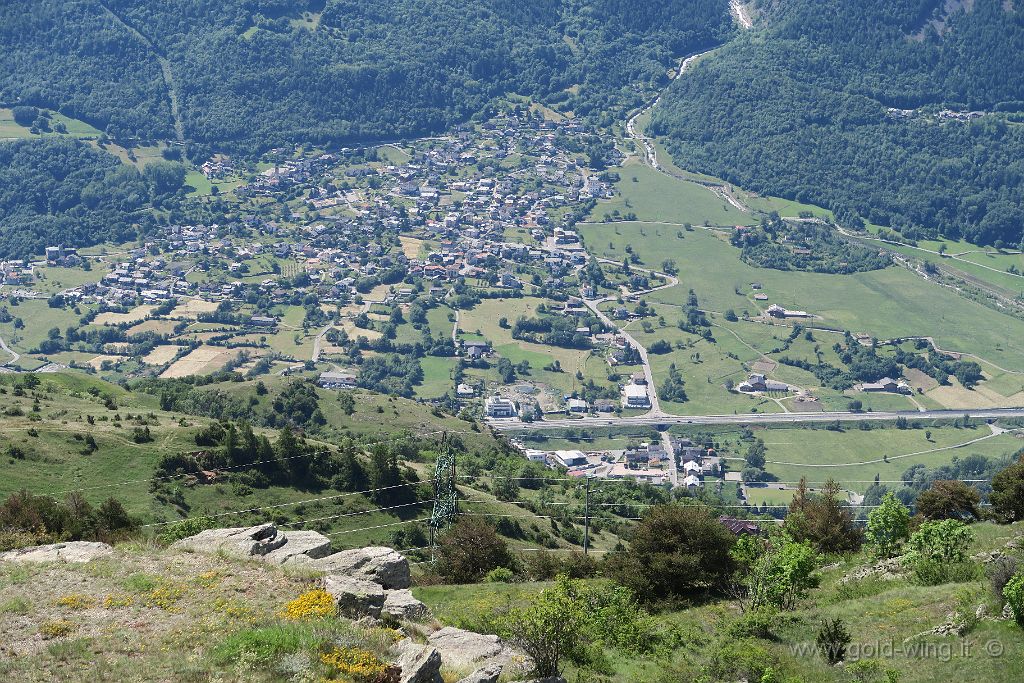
<point x="191" y="309"/>
<point x="886" y="303"/>
<point x="201" y="361"/>
<point x="135" y="315"/>
<point x="161" y="354"/>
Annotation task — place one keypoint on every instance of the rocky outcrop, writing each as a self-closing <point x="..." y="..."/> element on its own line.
<point x="488" y="674"/>
<point x="401" y="604"/>
<point x="301" y="544"/>
<point x="378" y="564"/>
<point x="466" y="649"/>
<point x="419" y="663"/>
<point x="263" y="541"/>
<point x="355" y="597"/>
<point x="885" y="569"/>
<point x="72" y="552"/>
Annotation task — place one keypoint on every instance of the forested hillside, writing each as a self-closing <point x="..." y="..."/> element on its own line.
<point x="58" y="190"/>
<point x="803" y="107"/>
<point x="252" y="74"/>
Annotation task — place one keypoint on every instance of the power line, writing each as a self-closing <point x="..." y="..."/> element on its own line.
<point x="379" y="526"/>
<point x="354" y="514"/>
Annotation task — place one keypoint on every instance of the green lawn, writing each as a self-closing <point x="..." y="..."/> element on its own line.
<point x="657" y="197"/>
<point x="885" y="303"/>
<point x="437" y="377"/>
<point x="485" y="318"/>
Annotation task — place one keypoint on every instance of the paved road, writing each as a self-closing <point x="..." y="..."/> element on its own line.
<point x="15" y="356"/>
<point x="752" y="418"/>
<point x="592" y="304"/>
<point x="318" y="342"/>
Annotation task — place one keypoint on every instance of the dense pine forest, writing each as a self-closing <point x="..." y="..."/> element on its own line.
<point x="803" y="107"/>
<point x="252" y="74"/>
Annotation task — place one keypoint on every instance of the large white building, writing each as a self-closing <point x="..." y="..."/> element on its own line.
<point x="500" y="407"/>
<point x="635" y="396"/>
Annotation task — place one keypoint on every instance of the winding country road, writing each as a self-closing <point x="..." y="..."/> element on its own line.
<point x="15" y="356"/>
<point x="593" y="304"/>
<point x="650" y="152"/>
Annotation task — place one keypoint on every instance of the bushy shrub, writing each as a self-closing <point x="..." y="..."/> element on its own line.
<point x="1014" y="594"/>
<point x="469" y="550"/>
<point x="938" y="552"/>
<point x="26" y="519"/>
<point x="999" y="573"/>
<point x="185" y="528"/>
<point x="500" y="575"/>
<point x="832" y="640"/>
<point x="577" y="621"/>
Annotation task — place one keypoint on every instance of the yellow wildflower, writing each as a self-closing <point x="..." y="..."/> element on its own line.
<point x="310" y="605"/>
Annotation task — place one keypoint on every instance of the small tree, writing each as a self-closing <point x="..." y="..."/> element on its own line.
<point x="1008" y="492"/>
<point x="949" y="499"/>
<point x="832" y="640"/>
<point x="824" y="520"/>
<point x="675" y="550"/>
<point x="888" y="526"/>
<point x="471" y="549"/>
<point x="774" y="572"/>
<point x="938" y="549"/>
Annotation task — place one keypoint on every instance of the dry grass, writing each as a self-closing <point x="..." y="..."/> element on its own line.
<point x="133" y="316"/>
<point x="98" y="361"/>
<point x="161" y="354"/>
<point x="202" y="360"/>
<point x="191" y="309"/>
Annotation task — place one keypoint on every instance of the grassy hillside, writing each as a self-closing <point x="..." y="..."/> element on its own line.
<point x="154" y="614"/>
<point x="884" y="618"/>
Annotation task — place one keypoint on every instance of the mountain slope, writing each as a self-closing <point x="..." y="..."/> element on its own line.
<point x="805" y="106"/>
<point x="252" y="74"/>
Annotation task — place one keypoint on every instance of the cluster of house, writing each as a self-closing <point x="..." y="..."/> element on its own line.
<point x="648" y="462"/>
<point x="16" y="272"/>
<point x="63" y="256"/>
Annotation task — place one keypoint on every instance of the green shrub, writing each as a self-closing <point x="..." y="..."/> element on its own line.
<point x="500" y="575"/>
<point x="754" y="624"/>
<point x="938" y="552"/>
<point x="265" y="645"/>
<point x="832" y="640"/>
<point x="1014" y="594"/>
<point x="185" y="528"/>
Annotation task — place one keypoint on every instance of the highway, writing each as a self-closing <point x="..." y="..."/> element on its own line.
<point x="663" y="421"/>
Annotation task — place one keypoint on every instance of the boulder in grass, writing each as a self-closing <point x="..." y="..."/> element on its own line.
<point x="488" y="674"/>
<point x="401" y="604"/>
<point x="381" y="565"/>
<point x="355" y="597"/>
<point x="419" y="663"/>
<point x="254" y="541"/>
<point x="72" y="552"/>
<point x="300" y="545"/>
<point x="468" y="649"/>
